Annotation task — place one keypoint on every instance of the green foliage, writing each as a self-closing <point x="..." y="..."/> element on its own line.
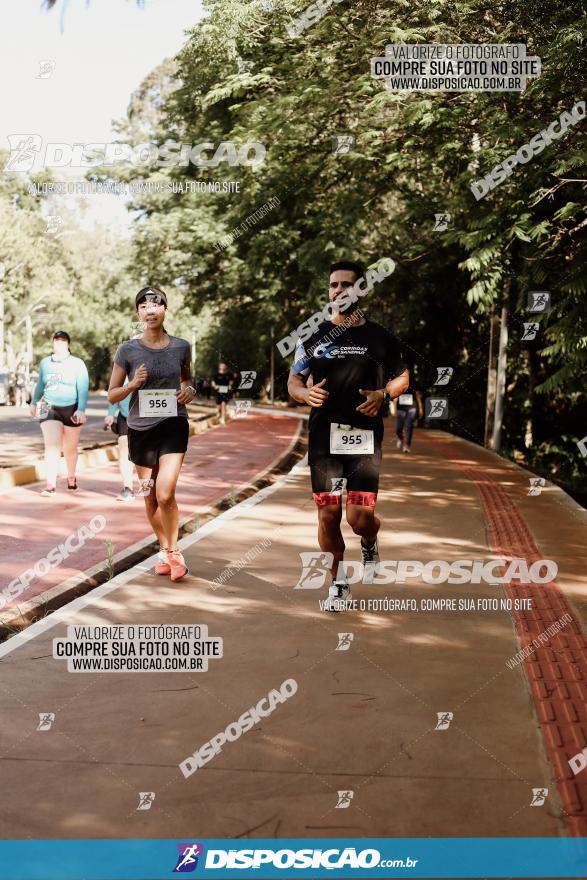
<point x="240" y="78"/>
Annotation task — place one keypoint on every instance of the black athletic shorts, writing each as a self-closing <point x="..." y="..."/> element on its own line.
<point x="361" y="472"/>
<point x="120" y="426"/>
<point x="223" y="398"/>
<point x="62" y="414"/>
<point x="170" y="435"/>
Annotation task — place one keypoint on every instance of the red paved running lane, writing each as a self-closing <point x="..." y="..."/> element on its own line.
<point x="217" y="460"/>
<point x="556" y="668"/>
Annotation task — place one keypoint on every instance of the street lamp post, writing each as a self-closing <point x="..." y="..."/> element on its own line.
<point x="194" y="353"/>
<point x="272" y="368"/>
<point x="29" y="333"/>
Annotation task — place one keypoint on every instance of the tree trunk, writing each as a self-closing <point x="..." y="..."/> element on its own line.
<point x="529" y="433"/>
<point x="500" y="385"/>
<point x="491" y="378"/>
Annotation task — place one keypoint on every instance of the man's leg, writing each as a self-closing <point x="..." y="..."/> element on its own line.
<point x="410" y="419"/>
<point x="326" y="473"/>
<point x="362" y="474"/>
<point x="329" y="534"/>
<point x="363" y="522"/>
<point x="399" y="423"/>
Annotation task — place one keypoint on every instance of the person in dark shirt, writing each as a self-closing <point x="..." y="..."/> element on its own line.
<point x="354" y="365"/>
<point x="222" y="385"/>
<point x="409" y="406"/>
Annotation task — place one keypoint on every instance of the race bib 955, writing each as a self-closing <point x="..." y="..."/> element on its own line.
<point x="346" y="440"/>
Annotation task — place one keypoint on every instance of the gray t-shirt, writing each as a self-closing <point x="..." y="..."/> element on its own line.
<point x="164" y="367"/>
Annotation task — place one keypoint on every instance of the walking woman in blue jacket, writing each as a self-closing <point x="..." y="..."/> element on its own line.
<point x="59" y="403"/>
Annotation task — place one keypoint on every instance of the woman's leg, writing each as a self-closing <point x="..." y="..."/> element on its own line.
<point x="52" y="430"/>
<point x="151" y="506"/>
<point x="125" y="466"/>
<point x="70" y="444"/>
<point x="169" y="467"/>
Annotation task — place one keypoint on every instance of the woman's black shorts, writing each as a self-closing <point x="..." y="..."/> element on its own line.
<point x="170" y="435"/>
<point x="119" y="426"/>
<point x="62" y="414"/>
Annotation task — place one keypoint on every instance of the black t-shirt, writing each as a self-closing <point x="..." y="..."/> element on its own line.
<point x="223" y="381"/>
<point x="365" y="356"/>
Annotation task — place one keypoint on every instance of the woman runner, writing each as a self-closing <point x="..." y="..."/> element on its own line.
<point x="158" y="369"/>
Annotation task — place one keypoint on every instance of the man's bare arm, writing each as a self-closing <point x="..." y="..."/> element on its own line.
<point x="314" y="396"/>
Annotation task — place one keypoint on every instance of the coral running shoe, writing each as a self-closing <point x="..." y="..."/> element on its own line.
<point x="162" y="565"/>
<point x="178" y="567"/>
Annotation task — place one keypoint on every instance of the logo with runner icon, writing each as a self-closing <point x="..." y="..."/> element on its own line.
<point x="342" y="144"/>
<point x="344" y="641"/>
<point x="315" y="568"/>
<point x="23" y="150"/>
<point x="437" y="408"/>
<point x="187" y="860"/>
<point x="441" y="222"/>
<point x="146" y="799"/>
<point x="46" y="68"/>
<point x="537" y="484"/>
<point x="444" y="375"/>
<point x="530" y="330"/>
<point x="241" y="408"/>
<point x="46" y="719"/>
<point x="247" y="379"/>
<point x="344" y="799"/>
<point x="539" y="796"/>
<point x="444" y="719"/>
<point x="539" y="301"/>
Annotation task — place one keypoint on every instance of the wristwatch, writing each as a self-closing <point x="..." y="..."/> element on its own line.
<point x="386" y="396"/>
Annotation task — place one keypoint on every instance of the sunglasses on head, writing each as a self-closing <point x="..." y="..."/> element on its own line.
<point x="152" y="298"/>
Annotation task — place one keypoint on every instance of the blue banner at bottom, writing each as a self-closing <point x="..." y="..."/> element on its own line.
<point x="224" y="858"/>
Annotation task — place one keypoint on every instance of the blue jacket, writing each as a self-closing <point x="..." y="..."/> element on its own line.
<point x="63" y="383"/>
<point x="122" y="407"/>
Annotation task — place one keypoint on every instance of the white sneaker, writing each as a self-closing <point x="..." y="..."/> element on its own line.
<point x="370" y="562"/>
<point x="338" y="594"/>
<point x="126" y="495"/>
<point x="399" y="444"/>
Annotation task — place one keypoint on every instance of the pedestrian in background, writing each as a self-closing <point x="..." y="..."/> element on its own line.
<point x="116" y="420"/>
<point x="59" y="403"/>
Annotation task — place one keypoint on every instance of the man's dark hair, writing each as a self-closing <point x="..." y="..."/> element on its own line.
<point x="349" y="266"/>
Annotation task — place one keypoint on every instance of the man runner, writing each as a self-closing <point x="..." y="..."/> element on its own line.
<point x="356" y="365"/>
<point x="222" y="385"/>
